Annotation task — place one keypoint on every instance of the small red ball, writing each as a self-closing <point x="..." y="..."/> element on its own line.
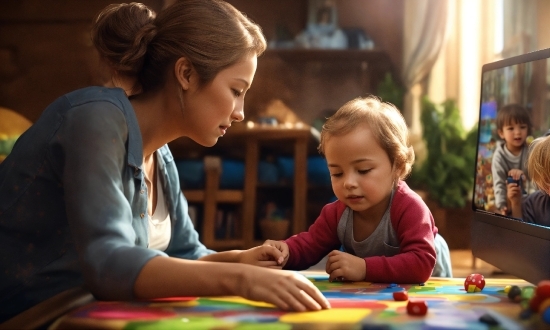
<point x="400" y="296"/>
<point x="474" y="283"/>
<point x="417" y="307"/>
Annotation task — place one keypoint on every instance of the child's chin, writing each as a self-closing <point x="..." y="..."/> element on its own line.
<point x="356" y="208"/>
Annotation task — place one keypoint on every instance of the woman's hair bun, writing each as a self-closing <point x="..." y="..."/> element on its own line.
<point x="121" y="33"/>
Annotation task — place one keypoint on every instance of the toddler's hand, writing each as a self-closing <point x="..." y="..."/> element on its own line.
<point x="342" y="266"/>
<point x="281" y="246"/>
<point x="513" y="193"/>
<point x="263" y="256"/>
<point x="516" y="174"/>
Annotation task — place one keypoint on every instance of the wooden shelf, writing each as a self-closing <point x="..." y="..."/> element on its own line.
<point x="312" y="55"/>
<point x="275" y="185"/>
<point x="194" y="196"/>
<point x="226" y="244"/>
<point x="296" y="139"/>
<point x="221" y="196"/>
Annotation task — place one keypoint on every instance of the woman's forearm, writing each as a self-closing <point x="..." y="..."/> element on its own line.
<point x="172" y="277"/>
<point x="225" y="256"/>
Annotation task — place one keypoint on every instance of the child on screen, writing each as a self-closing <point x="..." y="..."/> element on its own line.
<point x="510" y="156"/>
<point x="378" y="230"/>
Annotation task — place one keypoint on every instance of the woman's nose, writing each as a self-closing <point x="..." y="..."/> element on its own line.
<point x="238" y="114"/>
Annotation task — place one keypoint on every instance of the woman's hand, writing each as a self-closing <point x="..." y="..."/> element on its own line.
<point x="282" y="247"/>
<point x="288" y="290"/>
<point x="263" y="256"/>
<point x="342" y="266"/>
<point x="285" y="289"/>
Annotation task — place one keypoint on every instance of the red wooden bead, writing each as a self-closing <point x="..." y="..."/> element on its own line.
<point x="474" y="283"/>
<point x="417" y="307"/>
<point x="400" y="296"/>
<point x="545" y="304"/>
<point x="543" y="289"/>
<point x="534" y="303"/>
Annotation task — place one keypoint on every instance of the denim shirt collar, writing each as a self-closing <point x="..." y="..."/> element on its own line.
<point x="135" y="142"/>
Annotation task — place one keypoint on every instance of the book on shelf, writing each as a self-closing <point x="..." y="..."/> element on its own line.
<point x="226" y="224"/>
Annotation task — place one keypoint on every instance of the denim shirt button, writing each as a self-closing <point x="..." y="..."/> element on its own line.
<point x="142" y="191"/>
<point x="142" y="215"/>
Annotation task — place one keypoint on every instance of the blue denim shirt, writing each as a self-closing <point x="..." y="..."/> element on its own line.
<point x="73" y="203"/>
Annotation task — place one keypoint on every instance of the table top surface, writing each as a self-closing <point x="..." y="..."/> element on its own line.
<point x="358" y="305"/>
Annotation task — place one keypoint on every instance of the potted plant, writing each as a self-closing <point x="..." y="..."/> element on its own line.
<point x="390" y="91"/>
<point x="447" y="174"/>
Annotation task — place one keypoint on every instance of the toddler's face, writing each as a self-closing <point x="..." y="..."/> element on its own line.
<point x="361" y="173"/>
<point x="514" y="134"/>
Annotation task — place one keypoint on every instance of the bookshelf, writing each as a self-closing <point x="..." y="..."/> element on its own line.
<point x="211" y="197"/>
<point x="245" y="202"/>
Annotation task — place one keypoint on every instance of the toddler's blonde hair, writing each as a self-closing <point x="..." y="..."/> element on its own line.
<point x="386" y="122"/>
<point x="538" y="163"/>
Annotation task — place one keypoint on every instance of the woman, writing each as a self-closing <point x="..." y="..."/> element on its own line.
<point x="90" y="194"/>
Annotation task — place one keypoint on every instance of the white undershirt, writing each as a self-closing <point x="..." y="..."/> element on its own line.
<point x="160" y="228"/>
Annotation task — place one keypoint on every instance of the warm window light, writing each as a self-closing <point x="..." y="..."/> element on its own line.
<point x="499" y="27"/>
<point x="250" y="124"/>
<point x="471" y="62"/>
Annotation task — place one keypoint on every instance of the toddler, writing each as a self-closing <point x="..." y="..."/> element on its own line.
<point x="378" y="230"/>
<point x="535" y="208"/>
<point x="509" y="158"/>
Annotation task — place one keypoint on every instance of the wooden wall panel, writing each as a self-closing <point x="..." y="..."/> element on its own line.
<point x="45" y="51"/>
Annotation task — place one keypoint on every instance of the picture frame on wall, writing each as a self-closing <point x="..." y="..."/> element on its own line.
<point x="322" y="15"/>
<point x="322" y="27"/>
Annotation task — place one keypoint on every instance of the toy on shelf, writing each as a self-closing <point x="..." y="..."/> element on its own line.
<point x="12" y="125"/>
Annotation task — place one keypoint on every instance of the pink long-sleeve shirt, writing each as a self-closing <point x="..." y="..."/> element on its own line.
<point x="410" y="218"/>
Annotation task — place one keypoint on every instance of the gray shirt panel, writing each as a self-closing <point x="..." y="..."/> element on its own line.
<point x="382" y="242"/>
<point x="502" y="162"/>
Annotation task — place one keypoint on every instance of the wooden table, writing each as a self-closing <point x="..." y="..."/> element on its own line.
<point x="359" y="305"/>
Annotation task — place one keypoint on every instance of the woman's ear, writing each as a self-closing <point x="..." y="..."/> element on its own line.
<point x="183" y="70"/>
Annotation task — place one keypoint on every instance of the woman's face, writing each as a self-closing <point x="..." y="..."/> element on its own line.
<point x="209" y="111"/>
